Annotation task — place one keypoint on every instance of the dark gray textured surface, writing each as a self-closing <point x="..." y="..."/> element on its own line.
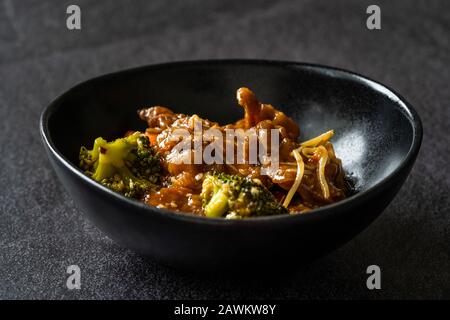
<point x="42" y="232"/>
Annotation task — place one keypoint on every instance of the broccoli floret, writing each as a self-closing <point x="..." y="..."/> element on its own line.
<point x="237" y="197"/>
<point x="127" y="165"/>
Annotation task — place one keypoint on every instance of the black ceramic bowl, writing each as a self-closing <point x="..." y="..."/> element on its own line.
<point x="378" y="135"/>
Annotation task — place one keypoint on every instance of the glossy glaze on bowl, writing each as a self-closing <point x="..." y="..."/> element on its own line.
<point x="378" y="136"/>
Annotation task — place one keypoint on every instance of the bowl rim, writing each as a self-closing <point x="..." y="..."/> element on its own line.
<point x="405" y="107"/>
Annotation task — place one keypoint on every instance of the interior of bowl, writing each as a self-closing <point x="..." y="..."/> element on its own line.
<point x="373" y="129"/>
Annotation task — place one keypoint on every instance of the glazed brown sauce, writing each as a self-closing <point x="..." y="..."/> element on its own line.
<point x="182" y="182"/>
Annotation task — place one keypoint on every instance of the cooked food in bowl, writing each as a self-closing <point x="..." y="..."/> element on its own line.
<point x="256" y="166"/>
<point x="378" y="136"/>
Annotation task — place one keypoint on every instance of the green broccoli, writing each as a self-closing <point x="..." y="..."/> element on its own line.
<point x="237" y="197"/>
<point x="127" y="165"/>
